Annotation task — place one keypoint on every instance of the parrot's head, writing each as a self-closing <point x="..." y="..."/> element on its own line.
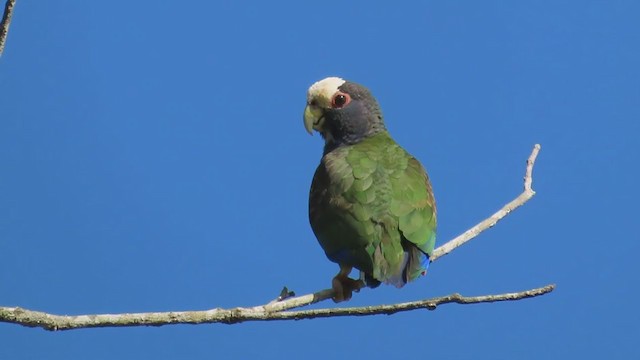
<point x="343" y="112"/>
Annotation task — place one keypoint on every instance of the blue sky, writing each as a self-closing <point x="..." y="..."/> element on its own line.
<point x="153" y="158"/>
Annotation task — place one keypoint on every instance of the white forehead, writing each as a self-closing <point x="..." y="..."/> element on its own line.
<point x="324" y="88"/>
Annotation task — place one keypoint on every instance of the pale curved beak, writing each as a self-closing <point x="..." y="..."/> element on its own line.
<point x="312" y="118"/>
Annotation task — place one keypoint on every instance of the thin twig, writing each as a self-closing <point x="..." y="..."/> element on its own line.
<point x="6" y="21"/>
<point x="275" y="309"/>
<point x="53" y="322"/>
<point x="499" y="215"/>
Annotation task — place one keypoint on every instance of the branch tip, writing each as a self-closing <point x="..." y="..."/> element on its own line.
<point x="528" y="175"/>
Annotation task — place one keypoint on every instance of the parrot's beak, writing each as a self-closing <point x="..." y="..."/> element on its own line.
<point x="313" y="117"/>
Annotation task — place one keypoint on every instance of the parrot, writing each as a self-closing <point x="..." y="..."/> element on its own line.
<point x="371" y="204"/>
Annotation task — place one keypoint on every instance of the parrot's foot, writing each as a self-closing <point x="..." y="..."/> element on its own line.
<point x="344" y="286"/>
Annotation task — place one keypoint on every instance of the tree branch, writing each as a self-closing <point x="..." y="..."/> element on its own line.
<point x="6" y="21"/>
<point x="492" y="220"/>
<point x="275" y="310"/>
<point x="52" y="322"/>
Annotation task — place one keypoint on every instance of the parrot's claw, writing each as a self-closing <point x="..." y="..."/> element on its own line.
<point x="343" y="287"/>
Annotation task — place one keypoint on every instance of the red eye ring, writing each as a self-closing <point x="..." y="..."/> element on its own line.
<point x="340" y="100"/>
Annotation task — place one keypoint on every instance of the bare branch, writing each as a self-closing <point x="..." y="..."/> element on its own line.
<point x="429" y="304"/>
<point x="237" y="315"/>
<point x="275" y="310"/>
<point x="6" y="21"/>
<point x="492" y="220"/>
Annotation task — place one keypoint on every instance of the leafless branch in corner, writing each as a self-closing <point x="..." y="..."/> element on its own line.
<point x="277" y="310"/>
<point x="4" y="24"/>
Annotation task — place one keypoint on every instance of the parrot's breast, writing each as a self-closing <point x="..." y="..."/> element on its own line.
<point x="370" y="207"/>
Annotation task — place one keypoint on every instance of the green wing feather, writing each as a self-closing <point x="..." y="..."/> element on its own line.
<point x="371" y="206"/>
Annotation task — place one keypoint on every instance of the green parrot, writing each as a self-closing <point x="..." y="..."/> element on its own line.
<point x="371" y="205"/>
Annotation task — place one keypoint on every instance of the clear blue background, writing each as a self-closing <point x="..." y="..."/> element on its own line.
<point x="153" y="158"/>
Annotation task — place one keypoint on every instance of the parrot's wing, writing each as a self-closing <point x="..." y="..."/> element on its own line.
<point x="414" y="206"/>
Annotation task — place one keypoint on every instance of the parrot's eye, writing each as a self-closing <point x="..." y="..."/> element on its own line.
<point x="340" y="100"/>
